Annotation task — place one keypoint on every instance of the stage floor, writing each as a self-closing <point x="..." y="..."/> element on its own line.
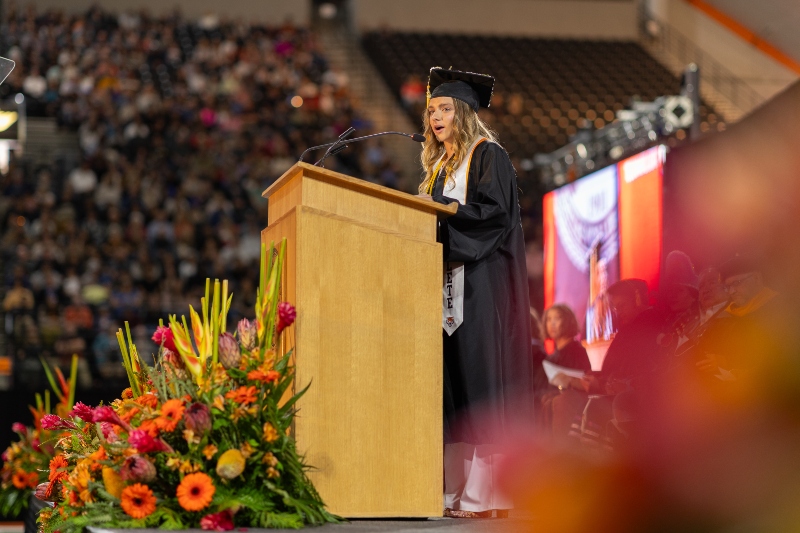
<point x="517" y="522"/>
<point x="513" y="524"/>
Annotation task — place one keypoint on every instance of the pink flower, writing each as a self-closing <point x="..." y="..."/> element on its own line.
<point x="4" y="456"/>
<point x="144" y="443"/>
<point x="36" y="444"/>
<point x="286" y="315"/>
<point x="107" y="414"/>
<point x="55" y="422"/>
<point x="82" y="411"/>
<point x="222" y="521"/>
<point x="108" y="432"/>
<point x="18" y="427"/>
<point x="163" y="336"/>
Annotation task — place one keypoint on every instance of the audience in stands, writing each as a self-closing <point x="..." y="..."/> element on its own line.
<point x="181" y="126"/>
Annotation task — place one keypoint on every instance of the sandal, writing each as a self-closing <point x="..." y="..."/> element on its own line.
<point x="452" y="513"/>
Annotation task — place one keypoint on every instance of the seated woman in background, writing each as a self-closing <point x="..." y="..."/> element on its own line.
<point x="561" y="326"/>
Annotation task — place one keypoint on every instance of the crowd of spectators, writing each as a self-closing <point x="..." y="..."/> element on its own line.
<point x="181" y="125"/>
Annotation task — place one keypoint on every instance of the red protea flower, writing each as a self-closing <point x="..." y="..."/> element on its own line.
<point x="197" y="418"/>
<point x="229" y="354"/>
<point x="164" y="337"/>
<point x="222" y="521"/>
<point x="82" y="411"/>
<point x="55" y="422"/>
<point x="286" y="315"/>
<point x="248" y="333"/>
<point x="46" y="493"/>
<point x="18" y="427"/>
<point x="137" y="469"/>
<point x="144" y="443"/>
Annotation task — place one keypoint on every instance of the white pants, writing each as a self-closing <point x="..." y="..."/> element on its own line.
<point x="471" y="478"/>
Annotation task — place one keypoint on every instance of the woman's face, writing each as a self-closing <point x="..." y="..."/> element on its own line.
<point x="554" y="324"/>
<point x="441" y="112"/>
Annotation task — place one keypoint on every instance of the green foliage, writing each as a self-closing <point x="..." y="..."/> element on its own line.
<point x="13" y="501"/>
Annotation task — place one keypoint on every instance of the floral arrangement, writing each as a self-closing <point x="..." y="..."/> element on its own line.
<point x="200" y="440"/>
<point x="25" y="462"/>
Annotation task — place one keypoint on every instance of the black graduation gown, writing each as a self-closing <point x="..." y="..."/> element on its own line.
<point x="488" y="390"/>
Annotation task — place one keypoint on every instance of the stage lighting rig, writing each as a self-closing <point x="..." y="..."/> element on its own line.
<point x="643" y="125"/>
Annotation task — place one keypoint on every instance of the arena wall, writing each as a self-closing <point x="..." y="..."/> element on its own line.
<point x="764" y="74"/>
<point x="603" y="19"/>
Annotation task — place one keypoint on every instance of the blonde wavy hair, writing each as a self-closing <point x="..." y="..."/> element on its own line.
<point x="467" y="127"/>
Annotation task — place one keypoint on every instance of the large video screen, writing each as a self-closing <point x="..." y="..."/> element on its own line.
<point x="601" y="228"/>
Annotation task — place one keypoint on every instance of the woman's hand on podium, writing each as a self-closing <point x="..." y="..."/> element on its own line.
<point x="424" y="196"/>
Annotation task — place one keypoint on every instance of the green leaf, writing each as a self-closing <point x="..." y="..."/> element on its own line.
<point x="286" y="408"/>
<point x="51" y="379"/>
<point x="73" y="380"/>
<point x="235" y="373"/>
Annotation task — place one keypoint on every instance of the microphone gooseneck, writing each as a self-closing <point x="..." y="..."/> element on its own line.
<point x="340" y="144"/>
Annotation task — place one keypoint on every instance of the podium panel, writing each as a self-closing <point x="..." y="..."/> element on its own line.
<point x="368" y="338"/>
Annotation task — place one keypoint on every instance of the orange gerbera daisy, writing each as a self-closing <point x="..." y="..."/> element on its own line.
<point x="147" y="400"/>
<point x="195" y="491"/>
<point x="138" y="501"/>
<point x="150" y="427"/>
<point x="243" y="395"/>
<point x="128" y="414"/>
<point x="263" y="377"/>
<point x="20" y="479"/>
<point x="56" y="463"/>
<point x="33" y="480"/>
<point x="171" y="414"/>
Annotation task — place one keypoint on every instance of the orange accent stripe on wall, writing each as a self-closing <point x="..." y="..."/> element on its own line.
<point x="746" y="34"/>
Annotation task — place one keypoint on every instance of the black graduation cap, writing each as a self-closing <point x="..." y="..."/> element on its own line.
<point x="470" y="87"/>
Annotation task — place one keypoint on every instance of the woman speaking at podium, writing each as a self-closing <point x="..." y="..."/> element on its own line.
<point x="487" y="365"/>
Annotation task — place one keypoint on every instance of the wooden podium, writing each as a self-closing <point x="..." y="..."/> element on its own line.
<point x="364" y="270"/>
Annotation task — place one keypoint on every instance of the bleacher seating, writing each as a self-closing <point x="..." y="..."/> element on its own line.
<point x="546" y="89"/>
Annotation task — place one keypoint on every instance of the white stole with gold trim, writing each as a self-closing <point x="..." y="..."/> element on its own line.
<point x="453" y="287"/>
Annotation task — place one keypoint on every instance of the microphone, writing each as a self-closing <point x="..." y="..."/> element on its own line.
<point x="334" y="150"/>
<point x="336" y="147"/>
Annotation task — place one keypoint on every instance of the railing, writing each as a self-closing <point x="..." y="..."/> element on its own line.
<point x="663" y="37"/>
